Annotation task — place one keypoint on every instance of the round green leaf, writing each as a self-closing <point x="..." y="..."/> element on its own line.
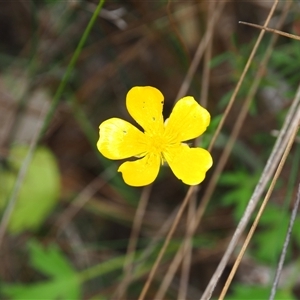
<point x="38" y="193"/>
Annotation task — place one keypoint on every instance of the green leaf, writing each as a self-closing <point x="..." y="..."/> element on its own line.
<point x="269" y="242"/>
<point x="240" y="186"/>
<point x="257" y="292"/>
<point x="63" y="283"/>
<point x="218" y="60"/>
<point x="56" y="266"/>
<point x="38" y="193"/>
<point x="296" y="230"/>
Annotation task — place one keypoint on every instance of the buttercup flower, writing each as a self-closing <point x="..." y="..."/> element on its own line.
<point x="160" y="142"/>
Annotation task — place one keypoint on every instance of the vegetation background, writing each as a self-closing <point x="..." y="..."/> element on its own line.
<point x="70" y="228"/>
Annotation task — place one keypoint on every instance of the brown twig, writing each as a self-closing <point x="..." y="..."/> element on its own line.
<point x="136" y="227"/>
<point x="190" y="192"/>
<point x="286" y="34"/>
<point x="209" y="289"/>
<point x="278" y="149"/>
<point x="199" y="52"/>
<point x="187" y="258"/>
<point x="285" y="245"/>
<point x="259" y="214"/>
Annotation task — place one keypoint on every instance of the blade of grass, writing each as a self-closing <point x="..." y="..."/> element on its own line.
<point x="81" y="200"/>
<point x="192" y="189"/>
<point x="136" y="227"/>
<point x="176" y="31"/>
<point x="166" y="243"/>
<point x="285" y="245"/>
<point x="259" y="214"/>
<point x="187" y="244"/>
<point x="205" y="199"/>
<point x="252" y="203"/>
<point x="169" y="275"/>
<point x="260" y="187"/>
<point x="199" y="52"/>
<point x="20" y="178"/>
<point x="207" y="59"/>
<point x="42" y="127"/>
<point x="71" y="66"/>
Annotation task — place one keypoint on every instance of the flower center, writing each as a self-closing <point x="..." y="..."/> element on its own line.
<point x="157" y="144"/>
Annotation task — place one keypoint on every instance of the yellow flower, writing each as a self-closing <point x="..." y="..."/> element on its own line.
<point x="160" y="142"/>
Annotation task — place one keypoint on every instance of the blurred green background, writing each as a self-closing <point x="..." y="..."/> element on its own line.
<point x="65" y="227"/>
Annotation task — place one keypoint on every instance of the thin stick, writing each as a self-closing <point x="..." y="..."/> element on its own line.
<point x="174" y="264"/>
<point x="199" y="52"/>
<point x="157" y="237"/>
<point x="168" y="277"/>
<point x="284" y="135"/>
<point x="187" y="243"/>
<point x="82" y="199"/>
<point x="137" y="223"/>
<point x="289" y="35"/>
<point x="207" y="57"/>
<point x="174" y="26"/>
<point x="71" y="66"/>
<point x="20" y="178"/>
<point x="285" y="245"/>
<point x="241" y="79"/>
<point x="181" y="92"/>
<point x="187" y="258"/>
<point x="252" y="203"/>
<point x="200" y="211"/>
<point x="42" y="127"/>
<point x="259" y="214"/>
<point x="191" y="190"/>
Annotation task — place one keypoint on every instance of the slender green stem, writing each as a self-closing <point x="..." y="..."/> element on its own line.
<point x="71" y="66"/>
<point x="102" y="269"/>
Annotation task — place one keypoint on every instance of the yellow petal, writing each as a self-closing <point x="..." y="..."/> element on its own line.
<point x="188" y="164"/>
<point x="142" y="171"/>
<point x="120" y="139"/>
<point x="145" y="104"/>
<point x="187" y="121"/>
